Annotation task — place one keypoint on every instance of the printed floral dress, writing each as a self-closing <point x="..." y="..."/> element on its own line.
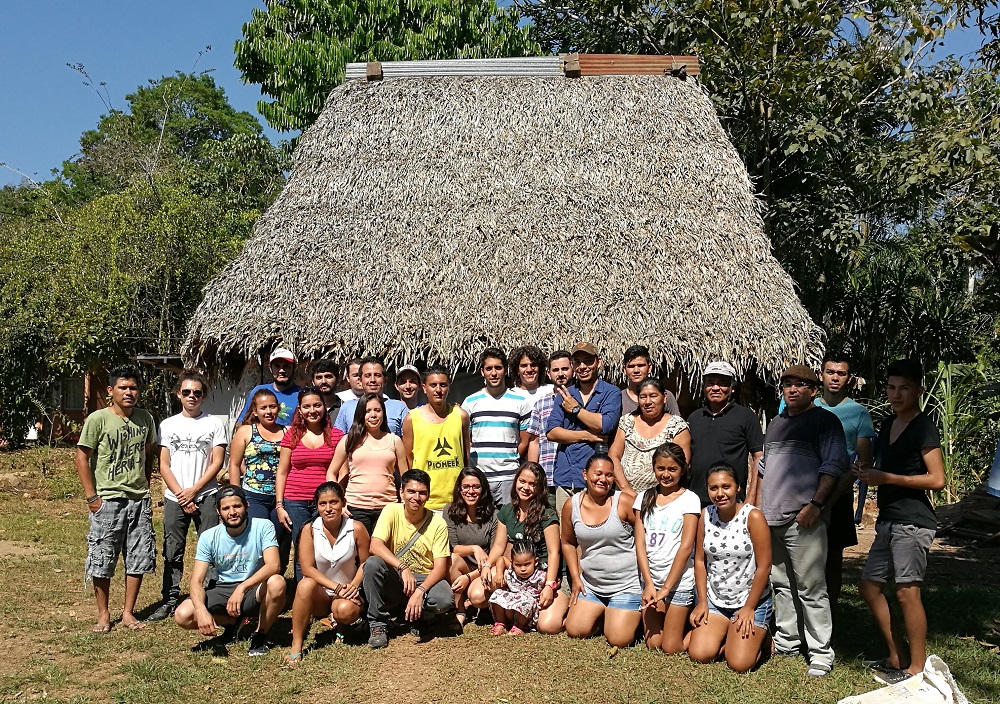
<point x="521" y="595"/>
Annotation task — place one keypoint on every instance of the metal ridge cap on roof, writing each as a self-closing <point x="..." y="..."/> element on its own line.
<point x="517" y="66"/>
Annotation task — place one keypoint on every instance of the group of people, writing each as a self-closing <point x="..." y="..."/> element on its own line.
<point x="572" y="505"/>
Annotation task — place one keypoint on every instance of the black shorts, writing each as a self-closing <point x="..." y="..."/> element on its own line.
<point x="842" y="533"/>
<point x="217" y="597"/>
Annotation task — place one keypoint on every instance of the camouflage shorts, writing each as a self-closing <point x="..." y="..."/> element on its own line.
<point x="121" y="526"/>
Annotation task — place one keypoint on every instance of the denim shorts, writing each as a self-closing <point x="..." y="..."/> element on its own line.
<point x="679" y="598"/>
<point x="761" y="615"/>
<point x="626" y="601"/>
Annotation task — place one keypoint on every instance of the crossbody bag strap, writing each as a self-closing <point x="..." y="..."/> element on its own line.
<point x="415" y="537"/>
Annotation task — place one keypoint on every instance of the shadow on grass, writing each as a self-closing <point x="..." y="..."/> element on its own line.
<point x="960" y="616"/>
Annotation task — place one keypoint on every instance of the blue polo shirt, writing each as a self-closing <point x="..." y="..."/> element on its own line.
<point x="571" y="459"/>
<point x="395" y="411"/>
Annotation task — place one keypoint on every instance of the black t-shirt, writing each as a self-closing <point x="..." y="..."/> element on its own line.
<point x="729" y="437"/>
<point x="905" y="456"/>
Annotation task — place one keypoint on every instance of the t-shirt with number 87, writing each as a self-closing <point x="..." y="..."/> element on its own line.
<point x="663" y="526"/>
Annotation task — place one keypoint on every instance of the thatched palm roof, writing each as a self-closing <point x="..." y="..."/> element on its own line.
<point x="428" y="217"/>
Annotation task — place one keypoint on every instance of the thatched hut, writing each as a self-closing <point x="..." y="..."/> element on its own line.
<point x="438" y="207"/>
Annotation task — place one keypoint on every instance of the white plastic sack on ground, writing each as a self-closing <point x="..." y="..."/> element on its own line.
<point x="935" y="685"/>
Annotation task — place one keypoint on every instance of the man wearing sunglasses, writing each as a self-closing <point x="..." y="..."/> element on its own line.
<point x="192" y="450"/>
<point x="805" y="456"/>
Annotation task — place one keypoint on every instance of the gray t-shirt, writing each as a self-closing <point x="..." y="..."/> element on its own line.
<point x="669" y="404"/>
<point x="466" y="533"/>
<point x="797" y="450"/>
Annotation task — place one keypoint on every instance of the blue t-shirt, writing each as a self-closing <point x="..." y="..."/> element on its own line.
<point x="856" y="420"/>
<point x="395" y="411"/>
<point x="236" y="559"/>
<point x="288" y="401"/>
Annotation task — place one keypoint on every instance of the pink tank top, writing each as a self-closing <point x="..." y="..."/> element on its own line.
<point x="371" y="482"/>
<point x="308" y="467"/>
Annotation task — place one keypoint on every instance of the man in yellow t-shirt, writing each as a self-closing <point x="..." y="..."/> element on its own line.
<point x="406" y="574"/>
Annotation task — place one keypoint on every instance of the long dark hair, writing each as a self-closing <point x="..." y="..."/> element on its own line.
<point x="484" y="507"/>
<point x="251" y="416"/>
<point x="297" y="428"/>
<point x="356" y="435"/>
<point x="675" y="452"/>
<point x="538" y="503"/>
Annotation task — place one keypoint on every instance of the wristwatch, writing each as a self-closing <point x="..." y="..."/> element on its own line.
<point x="575" y="411"/>
<point x="817" y="504"/>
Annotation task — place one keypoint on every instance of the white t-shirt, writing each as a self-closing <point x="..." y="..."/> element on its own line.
<point x="537" y="395"/>
<point x="663" y="537"/>
<point x="348" y="395"/>
<point x="190" y="442"/>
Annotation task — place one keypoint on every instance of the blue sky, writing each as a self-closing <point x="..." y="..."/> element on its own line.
<point x="46" y="106"/>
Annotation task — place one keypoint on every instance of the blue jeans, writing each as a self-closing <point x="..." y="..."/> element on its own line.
<point x="263" y="506"/>
<point x="302" y="514"/>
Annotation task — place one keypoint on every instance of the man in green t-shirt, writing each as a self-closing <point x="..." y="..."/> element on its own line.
<point x="114" y="460"/>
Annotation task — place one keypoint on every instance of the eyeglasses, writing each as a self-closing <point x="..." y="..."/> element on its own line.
<point x="798" y="384"/>
<point x="472" y="489"/>
<point x="197" y="393"/>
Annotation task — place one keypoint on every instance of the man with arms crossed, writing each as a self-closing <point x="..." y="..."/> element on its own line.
<point x="244" y="554"/>
<point x="192" y="449"/>
<point x="910" y="464"/>
<point x="586" y="413"/>
<point x="114" y="460"/>
<point x="408" y="568"/>
<point x="805" y="457"/>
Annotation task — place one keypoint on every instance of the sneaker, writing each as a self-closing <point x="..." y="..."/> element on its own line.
<point x="163" y="611"/>
<point x="258" y="645"/>
<point x="818" y="671"/>
<point x="891" y="676"/>
<point x="379" y="637"/>
<point x="231" y="633"/>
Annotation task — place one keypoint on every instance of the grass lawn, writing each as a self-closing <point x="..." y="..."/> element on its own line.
<point x="50" y="654"/>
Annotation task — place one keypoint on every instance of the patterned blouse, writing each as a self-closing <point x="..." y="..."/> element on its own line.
<point x="637" y="459"/>
<point x="261" y="460"/>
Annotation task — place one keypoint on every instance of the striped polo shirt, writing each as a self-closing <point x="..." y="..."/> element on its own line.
<point x="496" y="425"/>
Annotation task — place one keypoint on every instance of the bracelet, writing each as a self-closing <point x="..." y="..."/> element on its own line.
<point x="421" y="588"/>
<point x="553" y="585"/>
<point x="402" y="566"/>
<point x="92" y="499"/>
<point x="817" y="504"/>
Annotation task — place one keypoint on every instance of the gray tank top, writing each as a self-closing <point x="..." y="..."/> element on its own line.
<point x="607" y="553"/>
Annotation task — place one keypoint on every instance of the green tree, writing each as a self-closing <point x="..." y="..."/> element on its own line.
<point x="296" y="50"/>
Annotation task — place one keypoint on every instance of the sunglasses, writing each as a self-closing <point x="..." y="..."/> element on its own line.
<point x="197" y="393"/>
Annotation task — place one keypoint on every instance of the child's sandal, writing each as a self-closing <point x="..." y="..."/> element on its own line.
<point x="515" y="631"/>
<point x="498" y="629"/>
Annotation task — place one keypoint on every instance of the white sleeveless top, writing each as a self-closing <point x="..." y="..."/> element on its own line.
<point x="339" y="561"/>
<point x="729" y="558"/>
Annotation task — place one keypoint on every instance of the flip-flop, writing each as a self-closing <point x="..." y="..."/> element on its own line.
<point x="101" y="628"/>
<point x="135" y="626"/>
<point x="293" y="659"/>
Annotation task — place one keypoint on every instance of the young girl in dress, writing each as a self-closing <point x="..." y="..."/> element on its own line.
<point x="664" y="542"/>
<point x="515" y="606"/>
<point x="732" y="568"/>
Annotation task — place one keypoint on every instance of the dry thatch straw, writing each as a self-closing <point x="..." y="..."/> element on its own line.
<point x="428" y="217"/>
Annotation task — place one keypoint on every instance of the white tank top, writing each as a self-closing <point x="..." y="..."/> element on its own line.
<point x="729" y="558"/>
<point x="339" y="561"/>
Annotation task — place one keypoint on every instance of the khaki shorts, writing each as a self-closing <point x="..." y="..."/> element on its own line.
<point x="898" y="551"/>
<point x="121" y="527"/>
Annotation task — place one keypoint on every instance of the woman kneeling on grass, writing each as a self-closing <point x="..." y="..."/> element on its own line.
<point x="528" y="517"/>
<point x="472" y="527"/>
<point x="732" y="569"/>
<point x="599" y="547"/>
<point x="664" y="545"/>
<point x="330" y="550"/>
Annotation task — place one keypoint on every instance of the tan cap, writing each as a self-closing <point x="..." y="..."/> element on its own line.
<point x="586" y="348"/>
<point x="800" y="371"/>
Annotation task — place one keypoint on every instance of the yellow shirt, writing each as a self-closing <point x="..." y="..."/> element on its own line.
<point x="437" y="450"/>
<point x="395" y="531"/>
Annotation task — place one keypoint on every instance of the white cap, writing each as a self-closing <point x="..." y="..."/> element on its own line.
<point x="283" y="353"/>
<point x="720" y="368"/>
<point x="408" y="368"/>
